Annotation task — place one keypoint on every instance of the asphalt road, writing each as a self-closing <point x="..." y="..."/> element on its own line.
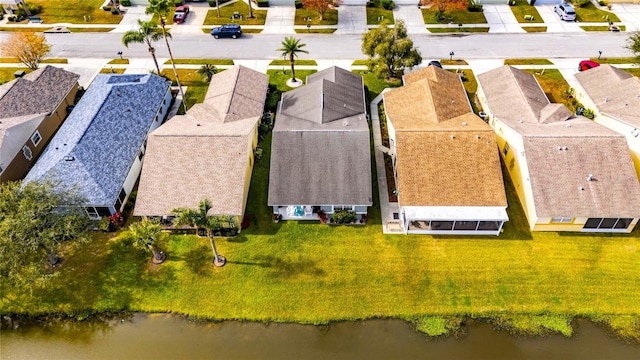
<point x="322" y="46"/>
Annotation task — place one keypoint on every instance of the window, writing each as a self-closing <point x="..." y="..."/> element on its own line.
<point x="122" y="196"/>
<point x="441" y="225"/>
<point x="561" y="220"/>
<point x="489" y="225"/>
<point x="340" y="207"/>
<point x="140" y="155"/>
<point x="506" y="149"/>
<point x="623" y="223"/>
<point x="592" y="223"/>
<point x="91" y="211"/>
<point x="26" y="150"/>
<point x="607" y="223"/>
<point x="103" y="211"/>
<point x="36" y="138"/>
<point x="465" y="225"/>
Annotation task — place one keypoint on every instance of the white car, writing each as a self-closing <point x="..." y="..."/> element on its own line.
<point x="566" y="12"/>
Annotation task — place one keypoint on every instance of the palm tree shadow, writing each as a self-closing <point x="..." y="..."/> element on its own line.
<point x="198" y="260"/>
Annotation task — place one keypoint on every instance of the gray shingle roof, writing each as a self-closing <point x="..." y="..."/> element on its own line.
<point x="38" y="92"/>
<point x="320" y="146"/>
<point x="103" y="135"/>
<point x="615" y="92"/>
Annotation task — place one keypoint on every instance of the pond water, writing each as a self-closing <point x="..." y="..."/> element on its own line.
<point x="143" y="336"/>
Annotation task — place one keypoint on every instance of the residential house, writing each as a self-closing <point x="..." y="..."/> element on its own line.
<point x="446" y="164"/>
<point x="100" y="148"/>
<point x="207" y="154"/>
<point x="614" y="95"/>
<point x="570" y="173"/>
<point x="31" y="110"/>
<point x="320" y="150"/>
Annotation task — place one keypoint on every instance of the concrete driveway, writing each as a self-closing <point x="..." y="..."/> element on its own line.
<point x="352" y="20"/>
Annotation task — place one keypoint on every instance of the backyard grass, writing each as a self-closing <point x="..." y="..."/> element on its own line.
<point x="306" y="272"/>
<point x="633" y="71"/>
<point x="532" y="29"/>
<point x="373" y="14"/>
<point x="601" y="28"/>
<point x="430" y="16"/>
<point x="305" y="62"/>
<point x="533" y="61"/>
<point x="75" y="11"/>
<point x="330" y="17"/>
<point x="522" y="8"/>
<point x="555" y="87"/>
<point x="227" y="11"/>
<point x="590" y="13"/>
<point x="278" y="78"/>
<point x="183" y="61"/>
<point x="456" y="30"/>
<point x="453" y="62"/>
<point x="621" y="60"/>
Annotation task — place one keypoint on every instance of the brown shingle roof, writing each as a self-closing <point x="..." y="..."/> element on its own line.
<point x="446" y="155"/>
<point x="38" y="92"/>
<point x="204" y="155"/>
<point x="615" y="92"/>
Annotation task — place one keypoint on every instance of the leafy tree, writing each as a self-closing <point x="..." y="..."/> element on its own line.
<point x="145" y="234"/>
<point x="634" y="45"/>
<point x="390" y="50"/>
<point x="321" y="6"/>
<point x="200" y="219"/>
<point x="290" y="48"/>
<point x="28" y="47"/>
<point x="146" y="33"/>
<point x="162" y="8"/>
<point x="36" y="220"/>
<point x="208" y="70"/>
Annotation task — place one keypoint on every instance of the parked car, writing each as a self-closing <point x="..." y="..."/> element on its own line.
<point x="435" y="63"/>
<point x="181" y="14"/>
<point x="587" y="64"/>
<point x="566" y="11"/>
<point x="228" y="30"/>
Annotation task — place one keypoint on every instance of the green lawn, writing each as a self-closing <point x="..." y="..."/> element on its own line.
<point x="531" y="29"/>
<point x="306" y="272"/>
<point x="555" y="87"/>
<point x="6" y="73"/>
<point x="455" y="30"/>
<point x="315" y="31"/>
<point x="196" y="85"/>
<point x="533" y="61"/>
<point x="633" y="71"/>
<point x="622" y="60"/>
<point x="227" y="11"/>
<point x="523" y="8"/>
<point x="453" y="62"/>
<point x="456" y="17"/>
<point x="589" y="13"/>
<point x="373" y="14"/>
<point x="330" y="17"/>
<point x="601" y="28"/>
<point x="200" y="61"/>
<point x="296" y="62"/>
<point x="119" y="61"/>
<point x="360" y="62"/>
<point x="55" y="61"/>
<point x="74" y="11"/>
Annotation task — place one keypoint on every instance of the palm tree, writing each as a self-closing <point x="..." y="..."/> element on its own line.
<point x="200" y="220"/>
<point x="145" y="233"/>
<point x="291" y="47"/>
<point x="162" y="8"/>
<point x="147" y="33"/>
<point x="208" y="70"/>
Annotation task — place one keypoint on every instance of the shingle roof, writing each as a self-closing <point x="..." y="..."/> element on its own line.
<point x="204" y="155"/>
<point x="103" y="135"/>
<point x="14" y="132"/>
<point x="562" y="153"/>
<point x="38" y="92"/>
<point x="446" y="155"/>
<point x="320" y="147"/>
<point x="615" y="92"/>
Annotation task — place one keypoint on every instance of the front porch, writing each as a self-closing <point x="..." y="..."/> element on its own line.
<point x="453" y="220"/>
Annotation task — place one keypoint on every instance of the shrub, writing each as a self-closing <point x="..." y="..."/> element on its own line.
<point x="257" y="153"/>
<point x="106" y="225"/>
<point x="602" y="3"/>
<point x="589" y="114"/>
<point x="177" y="3"/>
<point x="298" y="4"/>
<point x="387" y="4"/>
<point x="115" y="11"/>
<point x="474" y="7"/>
<point x="106" y="8"/>
<point x="581" y="3"/>
<point x="344" y="217"/>
<point x="11" y="18"/>
<point x="34" y="9"/>
<point x="371" y="4"/>
<point x="263" y="3"/>
<point x="125" y="2"/>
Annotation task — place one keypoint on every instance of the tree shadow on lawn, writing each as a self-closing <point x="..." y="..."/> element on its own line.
<point x="285" y="268"/>
<point x="198" y="260"/>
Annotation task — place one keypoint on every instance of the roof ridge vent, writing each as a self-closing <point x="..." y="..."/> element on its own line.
<point x="591" y="178"/>
<point x="69" y="158"/>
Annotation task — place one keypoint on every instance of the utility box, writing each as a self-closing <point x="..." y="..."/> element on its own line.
<point x="19" y="74"/>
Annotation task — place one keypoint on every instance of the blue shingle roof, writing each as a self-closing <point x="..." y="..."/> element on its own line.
<point x="97" y="144"/>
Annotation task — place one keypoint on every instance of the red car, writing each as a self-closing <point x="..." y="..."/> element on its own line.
<point x="587" y="64"/>
<point x="181" y="14"/>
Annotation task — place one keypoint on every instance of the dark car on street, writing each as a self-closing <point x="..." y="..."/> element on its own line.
<point x="229" y="30"/>
<point x="181" y="14"/>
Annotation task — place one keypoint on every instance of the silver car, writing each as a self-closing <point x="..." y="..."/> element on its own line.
<point x="566" y="11"/>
